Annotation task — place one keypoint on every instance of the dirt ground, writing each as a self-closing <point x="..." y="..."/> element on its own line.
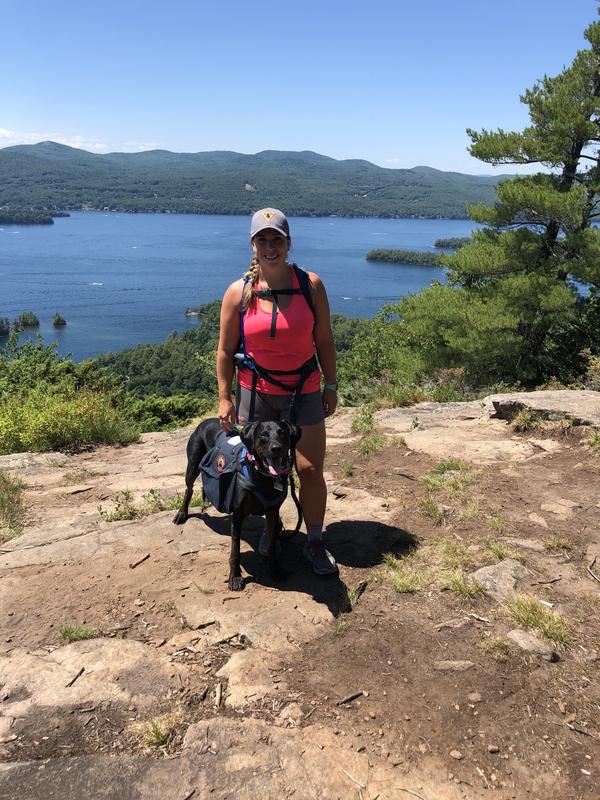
<point x="355" y="686"/>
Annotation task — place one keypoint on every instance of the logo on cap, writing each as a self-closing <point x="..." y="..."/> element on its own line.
<point x="268" y="215"/>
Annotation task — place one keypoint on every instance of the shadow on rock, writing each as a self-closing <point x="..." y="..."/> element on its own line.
<point x="354" y="543"/>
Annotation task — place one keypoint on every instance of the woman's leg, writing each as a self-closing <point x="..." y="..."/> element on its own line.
<point x="310" y="457"/>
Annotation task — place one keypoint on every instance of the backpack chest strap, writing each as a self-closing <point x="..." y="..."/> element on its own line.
<point x="273" y="294"/>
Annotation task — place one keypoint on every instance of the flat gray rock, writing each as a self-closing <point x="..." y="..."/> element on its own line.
<point x="531" y="644"/>
<point x="500" y="580"/>
<point x="581" y="406"/>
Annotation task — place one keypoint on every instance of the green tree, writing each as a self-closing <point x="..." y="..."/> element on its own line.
<point x="515" y="308"/>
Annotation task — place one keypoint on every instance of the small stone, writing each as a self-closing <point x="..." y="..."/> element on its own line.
<point x="456" y="754"/>
<point x="538" y="520"/>
<point x="474" y="697"/>
<point x="493" y="748"/>
<point x="531" y="644"/>
<point x="500" y="580"/>
<point x="139" y="602"/>
<point x="452" y="666"/>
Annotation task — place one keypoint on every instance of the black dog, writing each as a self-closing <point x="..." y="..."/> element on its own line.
<point x="258" y="486"/>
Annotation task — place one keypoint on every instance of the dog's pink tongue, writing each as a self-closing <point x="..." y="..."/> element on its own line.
<point x="272" y="471"/>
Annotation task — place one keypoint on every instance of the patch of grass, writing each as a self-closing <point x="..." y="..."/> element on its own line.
<point x="466" y="588"/>
<point x="593" y="439"/>
<point x="363" y="421"/>
<point x="501" y="551"/>
<point x="555" y="544"/>
<point x="355" y="593"/>
<point x="12" y="509"/>
<point x="123" y="510"/>
<point x="80" y="475"/>
<point x="449" y="465"/>
<point x="153" y="503"/>
<point x="371" y="443"/>
<point x="76" y="633"/>
<point x="450" y="554"/>
<point x="429" y="507"/>
<point x="497" y="648"/>
<point x="342" y="624"/>
<point x="470" y="510"/>
<point x="348" y="470"/>
<point x="173" y="503"/>
<point x="156" y="735"/>
<point x="450" y="476"/>
<point x="529" y="612"/>
<point x="406" y="574"/>
<point x="565" y="426"/>
<point x="528" y="421"/>
<point x="496" y="524"/>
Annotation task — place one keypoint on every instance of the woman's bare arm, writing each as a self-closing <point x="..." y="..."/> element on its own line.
<point x="229" y="339"/>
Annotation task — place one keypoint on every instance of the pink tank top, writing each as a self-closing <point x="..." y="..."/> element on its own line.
<point x="292" y="345"/>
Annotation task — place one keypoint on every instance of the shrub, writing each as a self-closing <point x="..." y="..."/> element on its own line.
<point x="50" y="421"/>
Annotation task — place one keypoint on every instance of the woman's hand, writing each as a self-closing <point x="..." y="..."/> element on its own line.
<point x="226" y="414"/>
<point x="329" y="401"/>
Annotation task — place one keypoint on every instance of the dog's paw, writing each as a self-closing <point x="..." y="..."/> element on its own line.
<point x="236" y="584"/>
<point x="180" y="517"/>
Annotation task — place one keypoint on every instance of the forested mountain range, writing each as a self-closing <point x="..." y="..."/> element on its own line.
<point x="53" y="176"/>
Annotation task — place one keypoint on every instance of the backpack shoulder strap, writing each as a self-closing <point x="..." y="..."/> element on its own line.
<point x="304" y="284"/>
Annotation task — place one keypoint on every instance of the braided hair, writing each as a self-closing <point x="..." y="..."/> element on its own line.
<point x="249" y="277"/>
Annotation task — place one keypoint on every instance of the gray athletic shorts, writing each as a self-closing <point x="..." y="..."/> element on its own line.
<point x="267" y="407"/>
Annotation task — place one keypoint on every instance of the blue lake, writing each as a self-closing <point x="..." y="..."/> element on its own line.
<point x="123" y="279"/>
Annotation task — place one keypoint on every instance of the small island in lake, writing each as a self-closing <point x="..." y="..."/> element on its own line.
<point x="452" y="242"/>
<point x="414" y="257"/>
<point x="58" y="320"/>
<point x="25" y="320"/>
<point x="11" y="215"/>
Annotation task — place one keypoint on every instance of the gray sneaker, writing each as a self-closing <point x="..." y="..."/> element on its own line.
<point x="263" y="544"/>
<point x="323" y="563"/>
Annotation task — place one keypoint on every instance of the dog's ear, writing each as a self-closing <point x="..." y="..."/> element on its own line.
<point x="247" y="435"/>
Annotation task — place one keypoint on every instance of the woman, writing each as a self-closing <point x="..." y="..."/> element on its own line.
<point x="281" y="333"/>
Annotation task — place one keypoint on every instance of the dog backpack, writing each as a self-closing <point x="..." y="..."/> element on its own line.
<point x="228" y="473"/>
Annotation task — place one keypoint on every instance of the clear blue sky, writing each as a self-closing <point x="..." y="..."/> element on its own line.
<point x="394" y="82"/>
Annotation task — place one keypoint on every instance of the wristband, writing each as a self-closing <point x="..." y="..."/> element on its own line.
<point x="332" y="386"/>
